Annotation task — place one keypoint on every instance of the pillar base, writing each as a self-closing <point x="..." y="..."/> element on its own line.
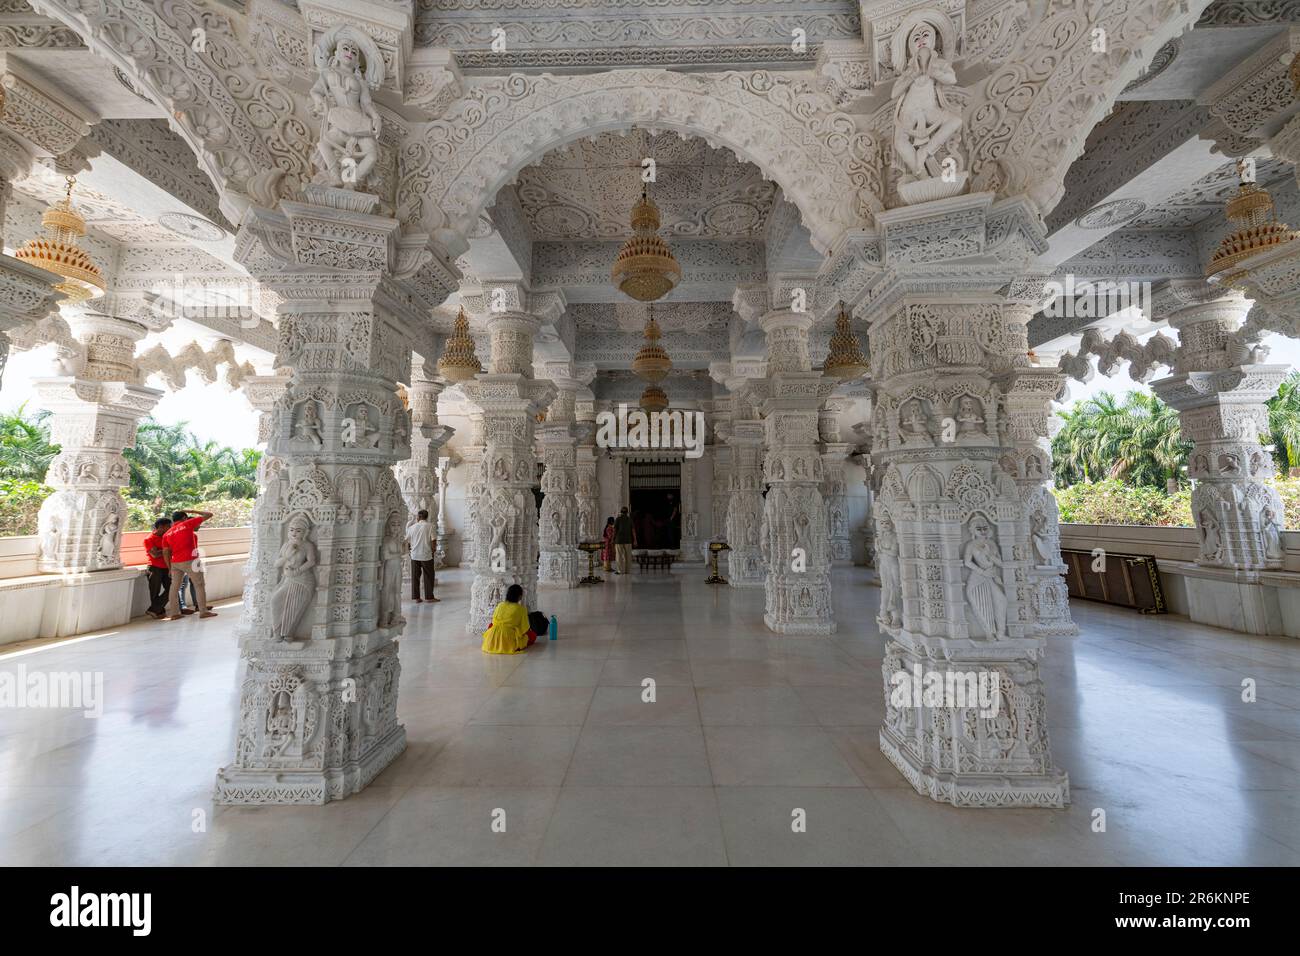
<point x="317" y="722"/>
<point x="1050" y="791"/>
<point x="952" y="751"/>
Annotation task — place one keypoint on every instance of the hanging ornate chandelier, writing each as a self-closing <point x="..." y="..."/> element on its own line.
<point x="845" y="360"/>
<point x="654" y="399"/>
<point x="652" y="362"/>
<point x="645" y="268"/>
<point x="1251" y="211"/>
<point x="59" y="253"/>
<point x="458" y="362"/>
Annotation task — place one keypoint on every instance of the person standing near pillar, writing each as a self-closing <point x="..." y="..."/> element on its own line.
<point x="181" y="548"/>
<point x="624" y="540"/>
<point x="158" y="576"/>
<point x="419" y="536"/>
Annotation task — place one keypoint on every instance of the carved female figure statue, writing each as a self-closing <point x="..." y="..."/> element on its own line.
<point x="923" y="119"/>
<point x="108" y="548"/>
<point x="1211" y="545"/>
<point x="390" y="572"/>
<point x="308" y="427"/>
<point x="1042" y="541"/>
<point x="297" y="586"/>
<point x="367" y="434"/>
<point x="349" y="139"/>
<point x="50" y="538"/>
<point x="1271" y="533"/>
<point x="984" y="595"/>
<point x="496" y="550"/>
<point x="915" y="426"/>
<point x="887" y="568"/>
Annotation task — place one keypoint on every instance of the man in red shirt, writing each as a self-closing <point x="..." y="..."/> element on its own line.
<point x="159" y="579"/>
<point x="181" y="546"/>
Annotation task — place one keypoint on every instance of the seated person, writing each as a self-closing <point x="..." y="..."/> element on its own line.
<point x="509" y="632"/>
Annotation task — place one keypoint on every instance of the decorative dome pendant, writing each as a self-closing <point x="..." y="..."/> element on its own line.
<point x="59" y="253"/>
<point x="458" y="362"/>
<point x="845" y="360"/>
<point x="645" y="268"/>
<point x="1251" y="211"/>
<point x="654" y="399"/>
<point x="652" y="362"/>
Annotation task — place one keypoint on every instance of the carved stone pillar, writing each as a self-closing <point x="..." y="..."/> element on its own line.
<point x="318" y="702"/>
<point x="94" y="418"/>
<point x="559" y="532"/>
<point x="444" y="529"/>
<point x="951" y="537"/>
<point x="417" y="476"/>
<point x="721" y="488"/>
<point x="26" y="293"/>
<point x="475" y="483"/>
<point x="746" y="563"/>
<point x="795" y="521"/>
<point x="834" y="489"/>
<point x="591" y="522"/>
<point x="861" y="456"/>
<point x="506" y="549"/>
<point x="1220" y="396"/>
<point x="690" y="540"/>
<point x="264" y="393"/>
<point x="1029" y="392"/>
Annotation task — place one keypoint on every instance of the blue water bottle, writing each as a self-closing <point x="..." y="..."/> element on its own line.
<point x="554" y="625"/>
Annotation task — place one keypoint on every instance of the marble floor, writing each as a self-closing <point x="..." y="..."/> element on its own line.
<point x="1145" y="714"/>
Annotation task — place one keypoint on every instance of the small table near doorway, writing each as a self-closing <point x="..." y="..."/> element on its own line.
<point x="655" y="560"/>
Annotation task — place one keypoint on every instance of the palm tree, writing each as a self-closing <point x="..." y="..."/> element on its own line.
<point x="160" y="466"/>
<point x="1136" y="438"/>
<point x="25" y="449"/>
<point x="1284" y="424"/>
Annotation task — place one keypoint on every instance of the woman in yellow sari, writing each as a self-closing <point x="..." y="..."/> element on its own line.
<point x="509" y="632"/>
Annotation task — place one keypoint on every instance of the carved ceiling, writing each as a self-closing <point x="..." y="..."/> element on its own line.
<point x="671" y="316"/>
<point x="586" y="189"/>
<point x="1207" y="196"/>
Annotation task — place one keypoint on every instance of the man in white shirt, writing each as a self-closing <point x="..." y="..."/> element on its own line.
<point x="419" y="535"/>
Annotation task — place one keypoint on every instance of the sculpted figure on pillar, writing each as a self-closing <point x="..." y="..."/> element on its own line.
<point x="348" y="66"/>
<point x="925" y="123"/>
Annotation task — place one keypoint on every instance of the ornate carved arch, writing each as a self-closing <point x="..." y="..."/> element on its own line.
<point x="827" y="166"/>
<point x="248" y="132"/>
<point x="1028" y="120"/>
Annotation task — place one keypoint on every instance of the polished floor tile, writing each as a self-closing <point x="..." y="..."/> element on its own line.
<point x="753" y="749"/>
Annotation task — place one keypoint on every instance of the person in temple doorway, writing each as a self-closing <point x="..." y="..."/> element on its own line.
<point x="624" y="540"/>
<point x="419" y="535"/>
<point x="607" y="552"/>
<point x="181" y="547"/>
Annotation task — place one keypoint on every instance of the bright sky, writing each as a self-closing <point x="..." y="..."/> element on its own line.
<point x="213" y="412"/>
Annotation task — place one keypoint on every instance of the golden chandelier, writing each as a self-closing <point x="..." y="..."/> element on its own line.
<point x="59" y="253"/>
<point x="652" y="362"/>
<point x="458" y="362"/>
<point x="1251" y="211"/>
<point x="654" y="399"/>
<point x="845" y="360"/>
<point x="645" y="268"/>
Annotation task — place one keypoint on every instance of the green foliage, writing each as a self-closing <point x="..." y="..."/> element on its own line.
<point x="1135" y="438"/>
<point x="1112" y="501"/>
<point x="20" y="500"/>
<point x="25" y="449"/>
<point x="1284" y="425"/>
<point x="169" y="469"/>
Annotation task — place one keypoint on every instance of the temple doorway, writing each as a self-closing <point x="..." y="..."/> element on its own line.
<point x="655" y="498"/>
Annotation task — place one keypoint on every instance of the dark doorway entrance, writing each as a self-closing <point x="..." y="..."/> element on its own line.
<point x="655" y="495"/>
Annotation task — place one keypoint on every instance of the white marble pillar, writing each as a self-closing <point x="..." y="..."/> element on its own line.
<point x="690" y="547"/>
<point x="795" y="520"/>
<point x="417" y="475"/>
<point x="506" y="549"/>
<point x="1220" y="395"/>
<point x="746" y="562"/>
<point x="834" y="488"/>
<point x="475" y="483"/>
<point x="318" y="701"/>
<point x="94" y="418"/>
<point x="591" y="522"/>
<point x="264" y="393"/>
<point x="444" y="528"/>
<point x="559" y="531"/>
<point x="950" y="536"/>
<point x="1029" y="393"/>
